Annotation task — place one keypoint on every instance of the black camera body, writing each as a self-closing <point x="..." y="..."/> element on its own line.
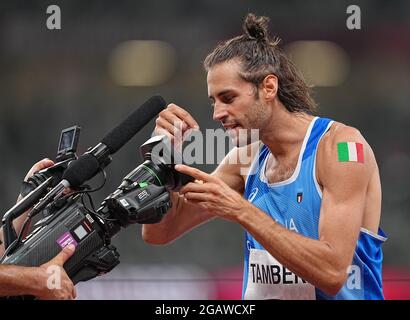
<point x="71" y="224"/>
<point x="143" y="197"/>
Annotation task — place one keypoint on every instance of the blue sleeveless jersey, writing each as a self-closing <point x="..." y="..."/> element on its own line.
<point x="295" y="203"/>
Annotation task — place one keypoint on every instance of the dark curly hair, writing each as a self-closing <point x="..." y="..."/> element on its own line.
<point x="260" y="56"/>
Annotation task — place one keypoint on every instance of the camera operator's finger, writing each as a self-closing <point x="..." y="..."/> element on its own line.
<point x="68" y="191"/>
<point x="74" y="292"/>
<point x="42" y="164"/>
<point x="63" y="256"/>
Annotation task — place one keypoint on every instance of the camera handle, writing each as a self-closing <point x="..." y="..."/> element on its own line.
<point x="19" y="208"/>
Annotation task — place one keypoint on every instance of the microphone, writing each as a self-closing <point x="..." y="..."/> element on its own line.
<point x="113" y="141"/>
<point x="121" y="134"/>
<point x="88" y="164"/>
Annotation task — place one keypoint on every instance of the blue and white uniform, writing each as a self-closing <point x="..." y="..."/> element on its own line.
<point x="295" y="203"/>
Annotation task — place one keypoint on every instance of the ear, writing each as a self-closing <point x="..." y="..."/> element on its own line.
<point x="270" y="87"/>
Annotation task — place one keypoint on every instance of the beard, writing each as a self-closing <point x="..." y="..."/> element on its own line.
<point x="249" y="127"/>
<point x="245" y="137"/>
<point x="245" y="133"/>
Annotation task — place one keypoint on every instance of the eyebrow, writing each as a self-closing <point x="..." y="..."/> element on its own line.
<point x="221" y="93"/>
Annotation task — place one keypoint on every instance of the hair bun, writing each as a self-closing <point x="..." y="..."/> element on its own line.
<point x="256" y="27"/>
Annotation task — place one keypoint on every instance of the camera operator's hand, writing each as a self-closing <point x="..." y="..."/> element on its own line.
<point x="45" y="163"/>
<point x="175" y="123"/>
<point x="53" y="282"/>
<point x="42" y="164"/>
<point x="49" y="281"/>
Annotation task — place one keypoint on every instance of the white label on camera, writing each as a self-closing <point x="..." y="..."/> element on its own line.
<point x="80" y="232"/>
<point x="89" y="218"/>
<point x="143" y="195"/>
<point x="124" y="202"/>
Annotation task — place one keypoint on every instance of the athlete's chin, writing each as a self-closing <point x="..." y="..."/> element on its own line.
<point x="240" y="136"/>
<point x="240" y="141"/>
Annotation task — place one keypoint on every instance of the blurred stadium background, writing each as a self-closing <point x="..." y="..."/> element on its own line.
<point x="110" y="56"/>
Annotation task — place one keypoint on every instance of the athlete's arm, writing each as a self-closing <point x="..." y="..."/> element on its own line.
<point x="322" y="262"/>
<point x="184" y="216"/>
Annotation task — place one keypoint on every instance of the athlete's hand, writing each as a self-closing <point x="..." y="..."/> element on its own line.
<point x="176" y="123"/>
<point x="211" y="194"/>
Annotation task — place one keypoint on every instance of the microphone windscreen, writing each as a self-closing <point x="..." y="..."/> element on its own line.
<point x="81" y="170"/>
<point x="120" y="135"/>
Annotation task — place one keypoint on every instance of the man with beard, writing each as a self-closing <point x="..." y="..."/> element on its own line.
<point x="310" y="202"/>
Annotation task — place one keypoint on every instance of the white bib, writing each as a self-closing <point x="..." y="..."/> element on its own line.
<point x="268" y="279"/>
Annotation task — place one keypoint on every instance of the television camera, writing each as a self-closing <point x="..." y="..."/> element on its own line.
<point x="142" y="197"/>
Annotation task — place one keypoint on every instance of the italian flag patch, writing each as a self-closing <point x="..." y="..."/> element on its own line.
<point x="350" y="151"/>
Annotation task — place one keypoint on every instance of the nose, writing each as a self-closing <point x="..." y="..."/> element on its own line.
<point x="220" y="112"/>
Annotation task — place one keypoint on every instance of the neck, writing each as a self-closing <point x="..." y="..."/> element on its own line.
<point x="285" y="130"/>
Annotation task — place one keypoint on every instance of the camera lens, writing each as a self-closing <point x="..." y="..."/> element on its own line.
<point x="150" y="172"/>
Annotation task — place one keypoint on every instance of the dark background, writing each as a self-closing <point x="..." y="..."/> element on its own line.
<point x="52" y="79"/>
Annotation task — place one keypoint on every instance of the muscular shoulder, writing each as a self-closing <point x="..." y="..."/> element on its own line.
<point x="338" y="133"/>
<point x="235" y="167"/>
<point x="343" y="151"/>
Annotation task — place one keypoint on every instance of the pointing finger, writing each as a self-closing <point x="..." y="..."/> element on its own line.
<point x="193" y="172"/>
